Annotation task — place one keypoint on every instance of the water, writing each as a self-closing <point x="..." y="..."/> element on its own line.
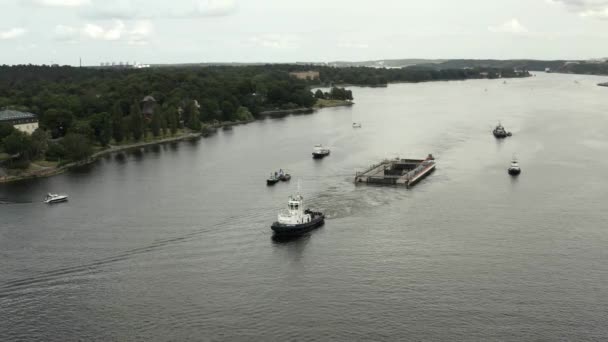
<point x="173" y="242"/>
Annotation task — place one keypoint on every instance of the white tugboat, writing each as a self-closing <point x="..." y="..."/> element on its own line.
<point x="514" y="169"/>
<point x="319" y="152"/>
<point x="55" y="198"/>
<point x="296" y="221"/>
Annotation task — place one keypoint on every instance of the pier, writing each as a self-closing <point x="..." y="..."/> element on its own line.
<point x="400" y="172"/>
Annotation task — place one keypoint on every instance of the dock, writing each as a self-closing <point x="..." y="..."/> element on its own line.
<point x="399" y="172"/>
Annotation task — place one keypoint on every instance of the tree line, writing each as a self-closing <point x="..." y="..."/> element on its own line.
<point x="80" y="109"/>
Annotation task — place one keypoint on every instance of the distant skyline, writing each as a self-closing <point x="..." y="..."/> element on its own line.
<point x="206" y="31"/>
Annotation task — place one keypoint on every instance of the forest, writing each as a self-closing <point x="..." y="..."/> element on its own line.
<point x="84" y="109"/>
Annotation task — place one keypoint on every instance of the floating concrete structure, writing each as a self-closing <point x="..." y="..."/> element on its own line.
<point x="400" y="172"/>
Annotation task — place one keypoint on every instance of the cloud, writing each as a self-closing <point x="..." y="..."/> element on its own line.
<point x="12" y="33"/>
<point x="512" y="26"/>
<point x="143" y="9"/>
<point x="140" y="33"/>
<point x="57" y="3"/>
<point x="137" y="34"/>
<point x="216" y="8"/>
<point x="586" y="8"/>
<point x="353" y="45"/>
<point x="65" y="33"/>
<point x="275" y="41"/>
<point x="116" y="9"/>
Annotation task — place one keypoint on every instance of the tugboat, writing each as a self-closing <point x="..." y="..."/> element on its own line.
<point x="273" y="179"/>
<point x="319" y="152"/>
<point x="500" y="132"/>
<point x="296" y="220"/>
<point x="55" y="198"/>
<point x="514" y="169"/>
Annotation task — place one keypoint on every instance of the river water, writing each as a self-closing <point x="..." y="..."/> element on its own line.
<point x="173" y="242"/>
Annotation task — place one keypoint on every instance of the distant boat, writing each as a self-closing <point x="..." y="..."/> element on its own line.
<point x="284" y="176"/>
<point x="514" y="169"/>
<point x="319" y="152"/>
<point x="296" y="220"/>
<point x="356" y="125"/>
<point x="55" y="198"/>
<point x="273" y="179"/>
<point x="500" y="132"/>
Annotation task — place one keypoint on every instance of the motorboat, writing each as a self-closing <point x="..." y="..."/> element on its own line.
<point x="319" y="152"/>
<point x="55" y="198"/>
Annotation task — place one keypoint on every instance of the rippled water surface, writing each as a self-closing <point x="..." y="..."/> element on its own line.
<point x="173" y="242"/>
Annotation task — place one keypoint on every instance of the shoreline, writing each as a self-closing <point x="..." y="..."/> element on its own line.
<point x="52" y="171"/>
<point x="304" y="110"/>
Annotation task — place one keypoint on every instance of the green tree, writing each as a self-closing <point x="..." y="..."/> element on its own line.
<point x="164" y="122"/>
<point x="5" y="131"/>
<point x="76" y="146"/>
<point x="172" y="119"/>
<point x="209" y="110"/>
<point x="192" y="116"/>
<point x="101" y="124"/>
<point x="137" y="122"/>
<point x="18" y="143"/>
<point x="319" y="94"/>
<point x="243" y="114"/>
<point x="40" y="143"/>
<point x="118" y="127"/>
<point x="155" y="123"/>
<point x="228" y="111"/>
<point x="58" y="121"/>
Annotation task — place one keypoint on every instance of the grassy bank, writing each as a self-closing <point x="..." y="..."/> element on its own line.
<point x="323" y="103"/>
<point x="44" y="168"/>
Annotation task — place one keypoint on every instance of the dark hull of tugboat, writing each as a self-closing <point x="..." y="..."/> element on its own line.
<point x="319" y="155"/>
<point x="514" y="172"/>
<point x="60" y="200"/>
<point x="500" y="135"/>
<point x="293" y="230"/>
<point x="272" y="181"/>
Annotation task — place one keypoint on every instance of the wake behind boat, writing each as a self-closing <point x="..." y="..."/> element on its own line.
<point x="296" y="221"/>
<point x="55" y="198"/>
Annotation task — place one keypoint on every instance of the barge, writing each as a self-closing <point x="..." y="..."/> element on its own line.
<point x="400" y="172"/>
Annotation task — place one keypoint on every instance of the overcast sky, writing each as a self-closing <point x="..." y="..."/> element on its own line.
<point x="178" y="31"/>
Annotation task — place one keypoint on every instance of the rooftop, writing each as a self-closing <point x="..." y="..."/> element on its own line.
<point x="10" y="114"/>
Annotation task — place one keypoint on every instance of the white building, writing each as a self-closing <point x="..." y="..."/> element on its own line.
<point x="25" y="122"/>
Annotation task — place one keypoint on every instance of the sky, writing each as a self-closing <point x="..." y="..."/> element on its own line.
<point x="196" y="31"/>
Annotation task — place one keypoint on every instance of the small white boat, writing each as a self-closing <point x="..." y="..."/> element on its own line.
<point x="356" y="125"/>
<point x="55" y="198"/>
